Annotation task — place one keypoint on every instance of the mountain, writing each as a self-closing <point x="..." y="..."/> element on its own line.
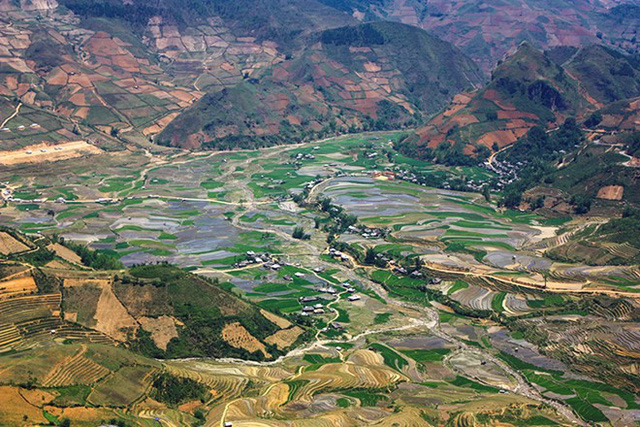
<point x="527" y="89"/>
<point x="371" y="76"/>
<point x="127" y="69"/>
<point x="487" y="30"/>
<point x="606" y="74"/>
<point x="530" y="88"/>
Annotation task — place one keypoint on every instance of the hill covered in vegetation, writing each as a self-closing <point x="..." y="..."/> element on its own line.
<point x="367" y="77"/>
<point x="530" y="88"/>
<point x="158" y="310"/>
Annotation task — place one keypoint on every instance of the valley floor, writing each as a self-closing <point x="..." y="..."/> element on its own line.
<point x="435" y="307"/>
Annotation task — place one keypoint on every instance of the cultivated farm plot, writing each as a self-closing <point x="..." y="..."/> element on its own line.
<point x="237" y="336"/>
<point x="26" y="318"/>
<point x="10" y="245"/>
<point x="475" y="297"/>
<point x="516" y="304"/>
<point x="414" y="212"/>
<point x="75" y="370"/>
<point x="344" y="376"/>
<point x="489" y="372"/>
<point x="124" y="387"/>
<point x="17" y="286"/>
<point x="284" y="338"/>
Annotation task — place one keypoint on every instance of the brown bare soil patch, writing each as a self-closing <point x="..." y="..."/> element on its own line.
<point x="71" y="283"/>
<point x="87" y="416"/>
<point x="294" y="120"/>
<point x="285" y="338"/>
<point x="494" y="96"/>
<point x="190" y="406"/>
<point x="275" y="319"/>
<point x="453" y="110"/>
<point x="10" y="401"/>
<point x="162" y="329"/>
<point x="237" y="336"/>
<point x="78" y="99"/>
<point x="464" y="119"/>
<point x="37" y="397"/>
<point x="112" y="318"/>
<point x="65" y="151"/>
<point x="65" y="253"/>
<point x="469" y="150"/>
<point x="160" y="124"/>
<point x="500" y="137"/>
<point x="611" y="121"/>
<point x="611" y="192"/>
<point x="372" y="67"/>
<point x="23" y="285"/>
<point x="10" y="245"/>
<point x="502" y="115"/>
<point x="57" y="77"/>
<point x="184" y="96"/>
<point x="57" y="264"/>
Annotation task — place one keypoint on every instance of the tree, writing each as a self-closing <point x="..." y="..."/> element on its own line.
<point x="581" y="204"/>
<point x="486" y="192"/>
<point x="298" y="233"/>
<point x="512" y="198"/>
<point x="593" y="120"/>
<point x="537" y="203"/>
<point x="370" y="256"/>
<point x="418" y="264"/>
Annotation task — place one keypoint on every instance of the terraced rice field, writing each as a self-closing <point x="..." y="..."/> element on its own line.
<point x="475" y="297"/>
<point x="124" y="387"/>
<point x="516" y="304"/>
<point x="75" y="370"/>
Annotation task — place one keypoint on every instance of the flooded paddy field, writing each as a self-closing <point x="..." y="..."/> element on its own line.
<point x="414" y="212"/>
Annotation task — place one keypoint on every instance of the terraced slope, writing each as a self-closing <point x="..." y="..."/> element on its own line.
<point x="531" y="88"/>
<point x="486" y="31"/>
<point x="371" y="76"/>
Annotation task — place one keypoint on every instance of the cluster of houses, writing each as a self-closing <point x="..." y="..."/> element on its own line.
<point x="309" y="185"/>
<point x="266" y="259"/>
<point x="333" y="253"/>
<point x="301" y="156"/>
<point x="309" y="308"/>
<point x="6" y="193"/>
<point x="506" y="171"/>
<point x="368" y="232"/>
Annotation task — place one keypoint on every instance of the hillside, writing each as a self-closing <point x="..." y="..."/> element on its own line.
<point x="605" y="74"/>
<point x="159" y="311"/>
<point x="486" y="31"/>
<point x="531" y="88"/>
<point x="127" y="69"/>
<point x="347" y="79"/>
<point x="528" y="89"/>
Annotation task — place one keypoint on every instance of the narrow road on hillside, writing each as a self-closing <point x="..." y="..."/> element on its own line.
<point x="14" y="114"/>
